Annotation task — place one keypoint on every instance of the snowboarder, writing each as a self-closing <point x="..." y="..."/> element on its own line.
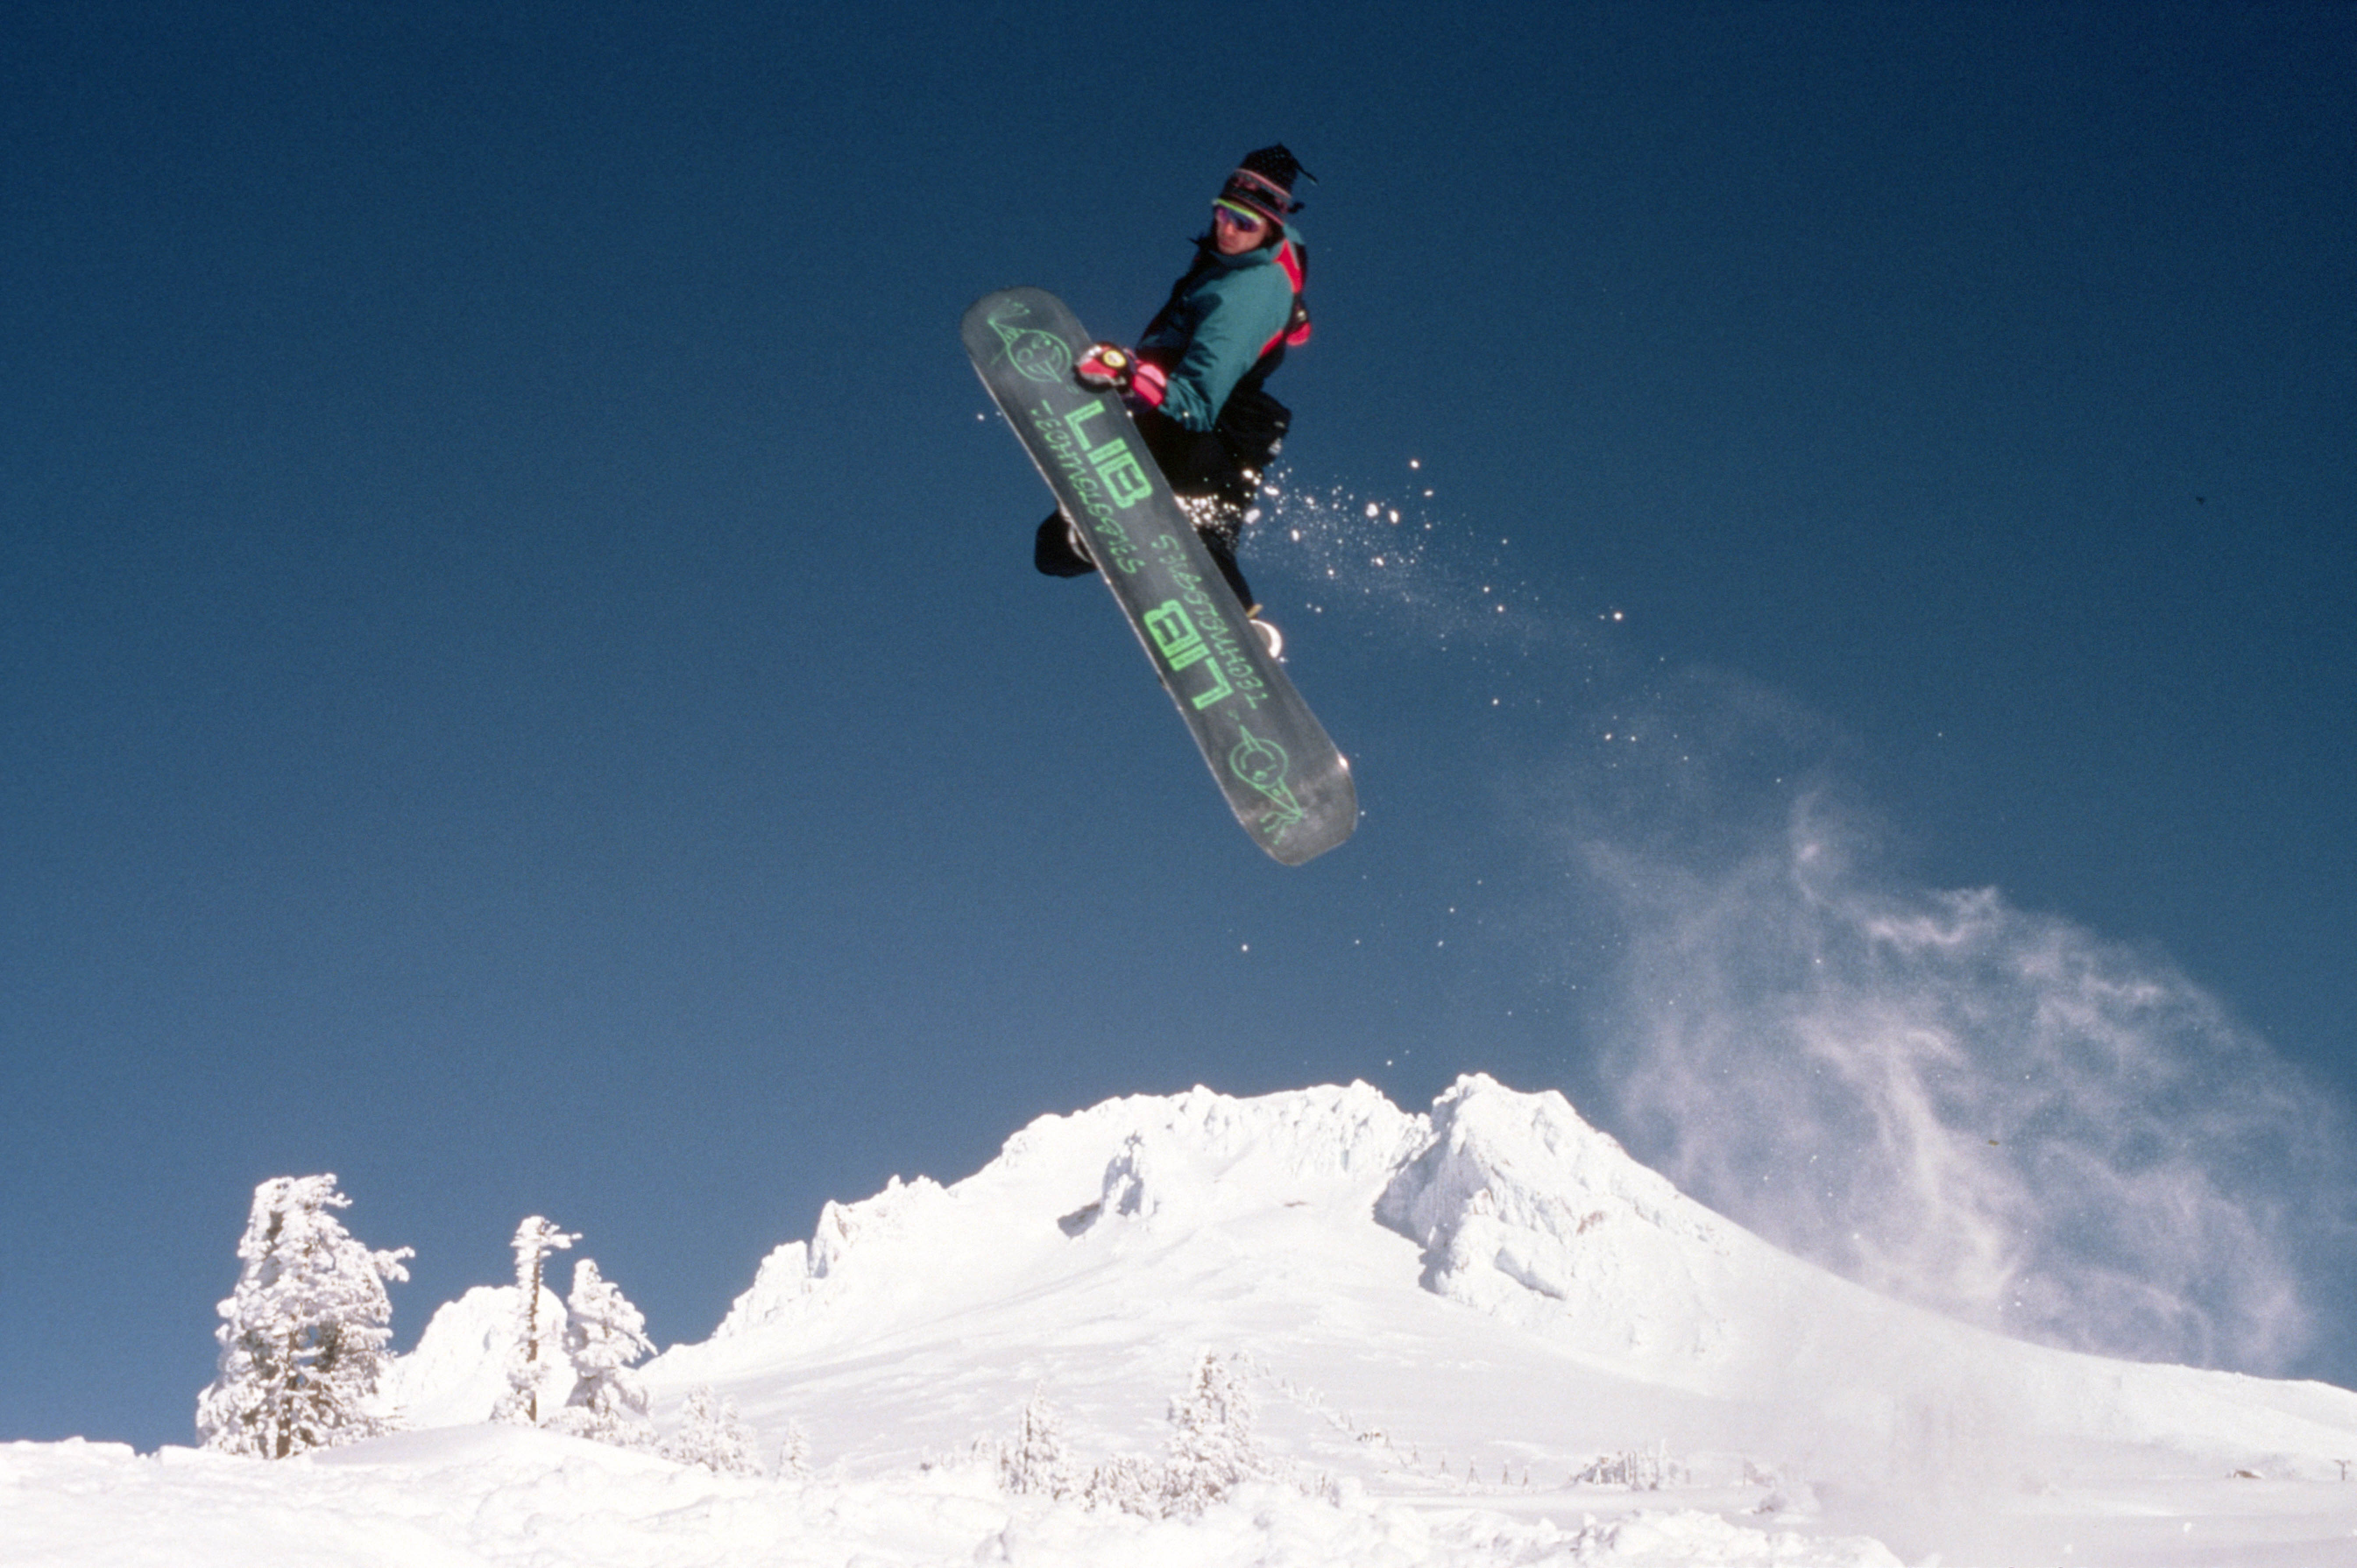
<point x="1195" y="384"/>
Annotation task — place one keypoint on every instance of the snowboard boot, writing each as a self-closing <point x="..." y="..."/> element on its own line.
<point x="1059" y="551"/>
<point x="1270" y="636"/>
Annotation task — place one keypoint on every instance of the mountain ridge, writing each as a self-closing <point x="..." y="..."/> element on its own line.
<point x="1481" y="1335"/>
<point x="1274" y="1223"/>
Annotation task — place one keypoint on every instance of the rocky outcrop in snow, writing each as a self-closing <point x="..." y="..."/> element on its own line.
<point x="1514" y="1197"/>
<point x="1169" y="1162"/>
<point x="788" y="1275"/>
<point x="460" y="1369"/>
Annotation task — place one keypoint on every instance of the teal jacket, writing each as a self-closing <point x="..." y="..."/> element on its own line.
<point x="1220" y="318"/>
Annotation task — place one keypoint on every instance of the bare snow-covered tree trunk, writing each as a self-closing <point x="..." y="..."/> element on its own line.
<point x="536" y="1238"/>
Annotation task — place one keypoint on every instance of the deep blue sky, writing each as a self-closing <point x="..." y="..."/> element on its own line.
<point x="521" y="682"/>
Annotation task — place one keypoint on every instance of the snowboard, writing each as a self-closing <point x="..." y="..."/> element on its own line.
<point x="1281" y="774"/>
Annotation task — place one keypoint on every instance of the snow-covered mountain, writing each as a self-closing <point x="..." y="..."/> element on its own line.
<point x="1483" y="1334"/>
<point x="1342" y="1242"/>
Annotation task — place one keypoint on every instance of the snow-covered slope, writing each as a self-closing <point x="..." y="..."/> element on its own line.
<point x="1333" y="1236"/>
<point x="1470" y="1329"/>
<point x="1495" y="1287"/>
<point x="1534" y="1217"/>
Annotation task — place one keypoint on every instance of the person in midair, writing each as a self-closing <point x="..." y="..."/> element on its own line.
<point x="1196" y="382"/>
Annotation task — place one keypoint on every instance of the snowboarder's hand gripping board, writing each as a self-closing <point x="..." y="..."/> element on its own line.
<point x="1284" y="779"/>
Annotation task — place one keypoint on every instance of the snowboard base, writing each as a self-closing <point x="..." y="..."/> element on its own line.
<point x="1273" y="762"/>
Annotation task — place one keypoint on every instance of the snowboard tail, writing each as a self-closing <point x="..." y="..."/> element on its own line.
<point x="1280" y="773"/>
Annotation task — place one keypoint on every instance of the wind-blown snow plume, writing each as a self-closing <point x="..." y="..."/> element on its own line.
<point x="1992" y="1112"/>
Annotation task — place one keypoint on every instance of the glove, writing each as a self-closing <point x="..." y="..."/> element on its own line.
<point x="1106" y="367"/>
<point x="1109" y="367"/>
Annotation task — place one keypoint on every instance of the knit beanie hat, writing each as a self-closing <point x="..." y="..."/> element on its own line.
<point x="1263" y="183"/>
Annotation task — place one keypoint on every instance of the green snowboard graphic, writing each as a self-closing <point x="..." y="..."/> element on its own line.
<point x="1281" y="774"/>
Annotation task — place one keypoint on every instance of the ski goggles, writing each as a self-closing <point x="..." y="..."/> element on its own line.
<point x="1237" y="213"/>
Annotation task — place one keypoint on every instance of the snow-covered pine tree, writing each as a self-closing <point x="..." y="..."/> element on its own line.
<point x="1131" y="1483"/>
<point x="1212" y="1447"/>
<point x="303" y="1339"/>
<point x="603" y="1335"/>
<point x="1036" y="1461"/>
<point x="793" y="1455"/>
<point x="712" y="1435"/>
<point x="534" y="1354"/>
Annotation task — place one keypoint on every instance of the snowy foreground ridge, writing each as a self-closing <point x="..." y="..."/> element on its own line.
<point x="1481" y="1336"/>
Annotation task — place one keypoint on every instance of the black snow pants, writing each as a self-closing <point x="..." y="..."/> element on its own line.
<point x="1214" y="473"/>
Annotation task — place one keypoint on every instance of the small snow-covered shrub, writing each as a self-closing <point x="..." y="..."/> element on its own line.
<point x="793" y="1455"/>
<point x="712" y="1435"/>
<point x="1129" y="1482"/>
<point x="1639" y="1470"/>
<point x="1211" y="1450"/>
